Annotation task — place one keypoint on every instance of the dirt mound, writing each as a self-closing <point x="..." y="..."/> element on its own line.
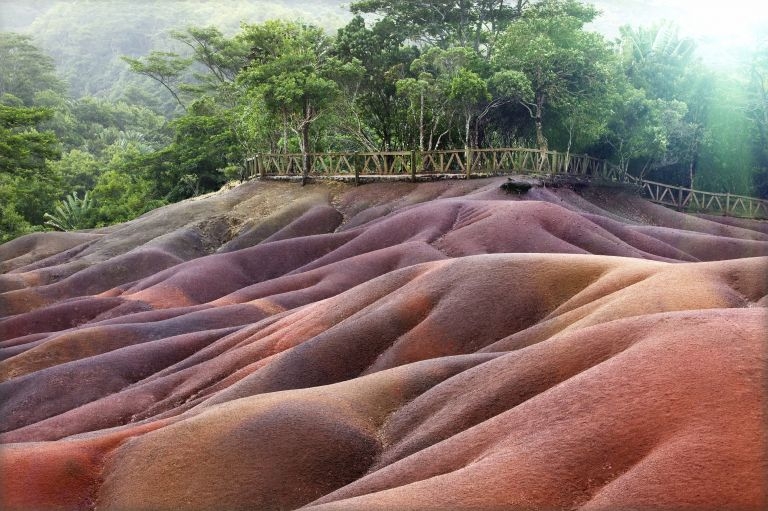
<point x="439" y="345"/>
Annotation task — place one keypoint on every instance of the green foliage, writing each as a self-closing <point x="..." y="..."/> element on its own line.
<point x="25" y="70"/>
<point x="97" y="136"/>
<point x="203" y="145"/>
<point x="378" y="115"/>
<point x="727" y="154"/>
<point x="656" y="58"/>
<point x="21" y="201"/>
<point x="164" y="67"/>
<point x="24" y="149"/>
<point x="77" y="170"/>
<point x="293" y="72"/>
<point x="564" y="63"/>
<point x="119" y="196"/>
<point x="219" y="58"/>
<point x="449" y="84"/>
<point x="87" y="38"/>
<point x="757" y="114"/>
<point x="99" y="124"/>
<point x="662" y="64"/>
<point x="71" y="213"/>
<point x="641" y="128"/>
<point x="445" y="23"/>
<point x="12" y="223"/>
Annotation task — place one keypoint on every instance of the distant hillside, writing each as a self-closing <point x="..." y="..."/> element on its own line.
<point x="87" y="38"/>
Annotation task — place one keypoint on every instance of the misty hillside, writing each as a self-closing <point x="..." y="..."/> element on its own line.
<point x="87" y="38"/>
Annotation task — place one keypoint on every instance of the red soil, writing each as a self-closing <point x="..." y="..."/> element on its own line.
<point x="392" y="346"/>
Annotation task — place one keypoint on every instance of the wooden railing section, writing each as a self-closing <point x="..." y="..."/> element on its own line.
<point x="459" y="161"/>
<point x="688" y="199"/>
<point x="498" y="161"/>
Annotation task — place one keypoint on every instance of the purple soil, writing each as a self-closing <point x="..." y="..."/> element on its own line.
<point x="438" y="345"/>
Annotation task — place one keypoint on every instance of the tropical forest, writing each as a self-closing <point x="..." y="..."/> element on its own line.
<point x="111" y="109"/>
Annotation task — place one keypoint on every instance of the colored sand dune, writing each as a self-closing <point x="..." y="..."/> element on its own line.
<point x="389" y="346"/>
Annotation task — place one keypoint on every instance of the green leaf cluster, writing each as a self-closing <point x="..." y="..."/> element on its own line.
<point x="70" y="214"/>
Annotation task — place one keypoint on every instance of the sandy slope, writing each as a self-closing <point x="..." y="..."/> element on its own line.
<point x="393" y="346"/>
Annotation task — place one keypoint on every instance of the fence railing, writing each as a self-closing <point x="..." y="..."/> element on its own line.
<point x="497" y="161"/>
<point x="688" y="199"/>
<point x="453" y="161"/>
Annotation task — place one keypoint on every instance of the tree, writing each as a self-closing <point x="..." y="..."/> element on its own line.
<point x="661" y="62"/>
<point x="221" y="58"/>
<point x="374" y="113"/>
<point x="70" y="214"/>
<point x="292" y="69"/>
<point x="445" y="23"/>
<point x="12" y="223"/>
<point x="656" y="58"/>
<point x="166" y="68"/>
<point x="698" y="86"/>
<point x="203" y="145"/>
<point x="124" y="189"/>
<point x="429" y="93"/>
<point x="24" y="149"/>
<point x="757" y="113"/>
<point x="451" y="94"/>
<point x="87" y="37"/>
<point x="78" y="171"/>
<point x="640" y="130"/>
<point x="564" y="63"/>
<point x="27" y="186"/>
<point x="25" y="70"/>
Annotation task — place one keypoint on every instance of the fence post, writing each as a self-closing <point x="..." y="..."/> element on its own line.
<point x="469" y="162"/>
<point x="356" y="164"/>
<point x="259" y="167"/>
<point x="247" y="166"/>
<point x="727" y="203"/>
<point x="414" y="163"/>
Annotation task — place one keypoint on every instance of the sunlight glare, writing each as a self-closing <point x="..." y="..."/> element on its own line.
<point x="736" y="21"/>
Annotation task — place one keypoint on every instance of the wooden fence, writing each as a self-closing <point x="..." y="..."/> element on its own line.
<point x="415" y="163"/>
<point x="500" y="161"/>
<point x="688" y="199"/>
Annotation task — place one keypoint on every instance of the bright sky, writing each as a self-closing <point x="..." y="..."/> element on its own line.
<point x="731" y="19"/>
<point x="722" y="29"/>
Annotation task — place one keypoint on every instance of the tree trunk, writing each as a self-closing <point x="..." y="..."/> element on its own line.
<point x="305" y="160"/>
<point x="285" y="136"/>
<point x="571" y="127"/>
<point x="692" y="167"/>
<point x="305" y="153"/>
<point x="421" y="123"/>
<point x="694" y="156"/>
<point x="468" y="131"/>
<point x="468" y="143"/>
<point x="541" y="140"/>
